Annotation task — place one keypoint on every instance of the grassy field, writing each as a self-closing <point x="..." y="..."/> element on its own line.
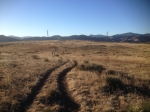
<point x="41" y="76"/>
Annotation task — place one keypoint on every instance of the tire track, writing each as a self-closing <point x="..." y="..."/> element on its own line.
<point x="60" y="96"/>
<point x="35" y="90"/>
<point x="67" y="103"/>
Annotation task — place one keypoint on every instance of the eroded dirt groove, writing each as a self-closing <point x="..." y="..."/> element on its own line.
<point x="61" y="96"/>
<point x="35" y="90"/>
<point x="67" y="103"/>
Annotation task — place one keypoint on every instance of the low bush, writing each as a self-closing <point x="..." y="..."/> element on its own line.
<point x="35" y="57"/>
<point x="114" y="83"/>
<point x="47" y="110"/>
<point x="57" y="55"/>
<point x="111" y="72"/>
<point x="46" y="60"/>
<point x="90" y="67"/>
<point x="54" y="94"/>
<point x="140" y="107"/>
<point x="145" y="106"/>
<point x="86" y="62"/>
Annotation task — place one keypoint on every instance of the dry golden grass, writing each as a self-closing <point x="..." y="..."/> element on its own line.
<point x="49" y="91"/>
<point x="128" y="62"/>
<point x="22" y="64"/>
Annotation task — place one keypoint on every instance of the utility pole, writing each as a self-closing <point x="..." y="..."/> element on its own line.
<point x="106" y="35"/>
<point x="47" y="34"/>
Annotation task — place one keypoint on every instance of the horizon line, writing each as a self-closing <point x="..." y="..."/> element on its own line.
<point x="74" y="35"/>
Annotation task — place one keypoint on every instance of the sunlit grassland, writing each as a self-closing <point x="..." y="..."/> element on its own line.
<point x="22" y="64"/>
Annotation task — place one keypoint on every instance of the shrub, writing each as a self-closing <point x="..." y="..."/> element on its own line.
<point x="54" y="94"/>
<point x="48" y="110"/>
<point x="57" y="55"/>
<point x="46" y="60"/>
<point x="114" y="83"/>
<point x="111" y="72"/>
<point x="90" y="67"/>
<point x="146" y="106"/>
<point x="140" y="107"/>
<point x="133" y="108"/>
<point x="86" y="62"/>
<point x="35" y="57"/>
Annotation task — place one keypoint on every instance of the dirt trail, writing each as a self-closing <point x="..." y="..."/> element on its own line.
<point x="68" y="103"/>
<point x="54" y="93"/>
<point x="35" y="90"/>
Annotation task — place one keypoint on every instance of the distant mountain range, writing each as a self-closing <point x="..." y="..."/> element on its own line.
<point x="125" y="37"/>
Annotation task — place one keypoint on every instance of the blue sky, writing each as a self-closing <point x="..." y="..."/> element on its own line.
<point x="73" y="17"/>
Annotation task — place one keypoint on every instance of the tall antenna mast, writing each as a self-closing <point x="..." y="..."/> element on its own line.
<point x="47" y="34"/>
<point x="106" y="35"/>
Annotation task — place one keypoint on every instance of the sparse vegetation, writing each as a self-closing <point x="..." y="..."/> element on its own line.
<point x="57" y="55"/>
<point x="125" y="75"/>
<point x="90" y="67"/>
<point x="54" y="95"/>
<point x="146" y="106"/>
<point x="47" y="110"/>
<point x="111" y="72"/>
<point x="46" y="60"/>
<point x="35" y="57"/>
<point x="139" y="107"/>
<point x="86" y="62"/>
<point x="114" y="83"/>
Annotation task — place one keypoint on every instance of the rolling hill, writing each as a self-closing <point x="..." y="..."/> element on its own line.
<point x="124" y="37"/>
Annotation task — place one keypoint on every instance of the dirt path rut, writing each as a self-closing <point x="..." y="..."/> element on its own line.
<point x="35" y="90"/>
<point x="54" y="95"/>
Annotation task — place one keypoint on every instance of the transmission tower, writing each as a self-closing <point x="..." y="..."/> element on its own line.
<point x="106" y="35"/>
<point x="47" y="34"/>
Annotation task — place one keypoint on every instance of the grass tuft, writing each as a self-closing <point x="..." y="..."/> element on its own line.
<point x="47" y="110"/>
<point x="35" y="57"/>
<point x="86" y="62"/>
<point x="140" y="107"/>
<point x="54" y="94"/>
<point x="146" y="106"/>
<point x="111" y="72"/>
<point x="114" y="83"/>
<point x="90" y="67"/>
<point x="47" y="60"/>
